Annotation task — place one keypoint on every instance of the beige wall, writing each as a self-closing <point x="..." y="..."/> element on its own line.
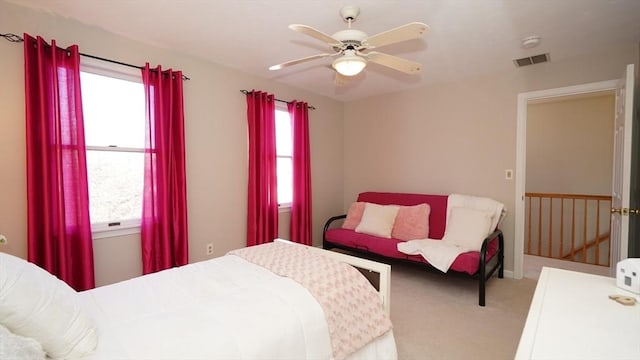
<point x="570" y="145"/>
<point x="457" y="137"/>
<point x="454" y="137"/>
<point x="215" y="116"/>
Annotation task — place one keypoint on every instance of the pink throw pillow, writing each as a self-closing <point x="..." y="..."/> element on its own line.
<point x="354" y="215"/>
<point x="412" y="223"/>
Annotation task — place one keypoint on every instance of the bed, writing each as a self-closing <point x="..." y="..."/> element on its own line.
<point x="238" y="306"/>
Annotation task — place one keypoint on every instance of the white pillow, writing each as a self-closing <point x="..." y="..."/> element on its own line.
<point x="378" y="220"/>
<point x="14" y="346"/>
<point x="467" y="228"/>
<point x="37" y="305"/>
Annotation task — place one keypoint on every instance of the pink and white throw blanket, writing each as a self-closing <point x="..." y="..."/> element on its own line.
<point x="352" y="307"/>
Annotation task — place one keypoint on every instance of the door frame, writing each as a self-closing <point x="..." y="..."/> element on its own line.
<point x="521" y="145"/>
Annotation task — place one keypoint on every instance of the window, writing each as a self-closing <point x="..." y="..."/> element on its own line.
<point x="114" y="121"/>
<point x="284" y="153"/>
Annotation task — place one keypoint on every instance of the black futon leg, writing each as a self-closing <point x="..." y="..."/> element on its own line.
<point x="481" y="295"/>
<point x="501" y="256"/>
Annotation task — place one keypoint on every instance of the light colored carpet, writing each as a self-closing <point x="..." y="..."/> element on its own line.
<point x="532" y="266"/>
<point x="437" y="316"/>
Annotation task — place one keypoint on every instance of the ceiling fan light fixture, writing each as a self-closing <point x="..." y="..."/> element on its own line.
<point x="349" y="65"/>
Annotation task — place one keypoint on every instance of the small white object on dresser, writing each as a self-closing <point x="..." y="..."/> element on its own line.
<point x="572" y="317"/>
<point x="628" y="275"/>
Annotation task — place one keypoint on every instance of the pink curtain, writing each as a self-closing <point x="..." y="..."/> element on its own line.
<point x="301" y="222"/>
<point x="58" y="225"/>
<point x="262" y="202"/>
<point x="164" y="203"/>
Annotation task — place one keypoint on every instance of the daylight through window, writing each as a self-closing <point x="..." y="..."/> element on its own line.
<point x="114" y="122"/>
<point x="284" y="151"/>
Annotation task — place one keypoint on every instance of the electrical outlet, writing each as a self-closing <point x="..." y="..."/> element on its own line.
<point x="210" y="249"/>
<point x="3" y="239"/>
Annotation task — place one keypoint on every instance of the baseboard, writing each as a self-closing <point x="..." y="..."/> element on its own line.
<point x="508" y="274"/>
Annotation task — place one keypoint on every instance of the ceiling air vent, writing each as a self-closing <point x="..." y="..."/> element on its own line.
<point x="535" y="59"/>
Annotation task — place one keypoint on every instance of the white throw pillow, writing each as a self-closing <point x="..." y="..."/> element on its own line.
<point x="37" y="305"/>
<point x="378" y="220"/>
<point x="14" y="346"/>
<point x="467" y="228"/>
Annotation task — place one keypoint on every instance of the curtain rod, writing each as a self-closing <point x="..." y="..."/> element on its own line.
<point x="284" y="101"/>
<point x="18" y="39"/>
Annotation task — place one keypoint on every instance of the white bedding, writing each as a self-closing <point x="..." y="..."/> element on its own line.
<point x="224" y="308"/>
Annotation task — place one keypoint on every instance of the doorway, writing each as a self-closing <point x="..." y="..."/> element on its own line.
<point x="524" y="99"/>
<point x="569" y="167"/>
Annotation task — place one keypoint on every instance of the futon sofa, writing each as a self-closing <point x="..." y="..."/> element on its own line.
<point x="480" y="264"/>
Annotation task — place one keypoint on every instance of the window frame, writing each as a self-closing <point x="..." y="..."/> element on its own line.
<point x="98" y="67"/>
<point x="281" y="106"/>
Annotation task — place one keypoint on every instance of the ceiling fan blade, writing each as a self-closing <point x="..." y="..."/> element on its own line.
<point x="405" y="32"/>
<point x="314" y="33"/>
<point x="298" y="61"/>
<point x="394" y="62"/>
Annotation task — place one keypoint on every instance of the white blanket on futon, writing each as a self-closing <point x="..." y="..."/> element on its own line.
<point x="477" y="203"/>
<point x="437" y="252"/>
<point x="441" y="254"/>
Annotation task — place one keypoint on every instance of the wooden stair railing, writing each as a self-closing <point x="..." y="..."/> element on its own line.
<point x="593" y="242"/>
<point x="572" y="227"/>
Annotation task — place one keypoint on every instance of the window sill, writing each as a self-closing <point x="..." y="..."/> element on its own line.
<point x="120" y="231"/>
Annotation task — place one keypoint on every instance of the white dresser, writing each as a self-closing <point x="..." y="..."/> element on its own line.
<point x="572" y="317"/>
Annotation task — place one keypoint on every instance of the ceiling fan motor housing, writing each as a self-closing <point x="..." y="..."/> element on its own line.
<point x="350" y="38"/>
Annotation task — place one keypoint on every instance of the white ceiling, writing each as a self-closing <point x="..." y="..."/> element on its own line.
<point x="467" y="37"/>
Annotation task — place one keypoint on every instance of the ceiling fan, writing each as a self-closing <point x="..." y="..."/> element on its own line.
<point x="352" y="47"/>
